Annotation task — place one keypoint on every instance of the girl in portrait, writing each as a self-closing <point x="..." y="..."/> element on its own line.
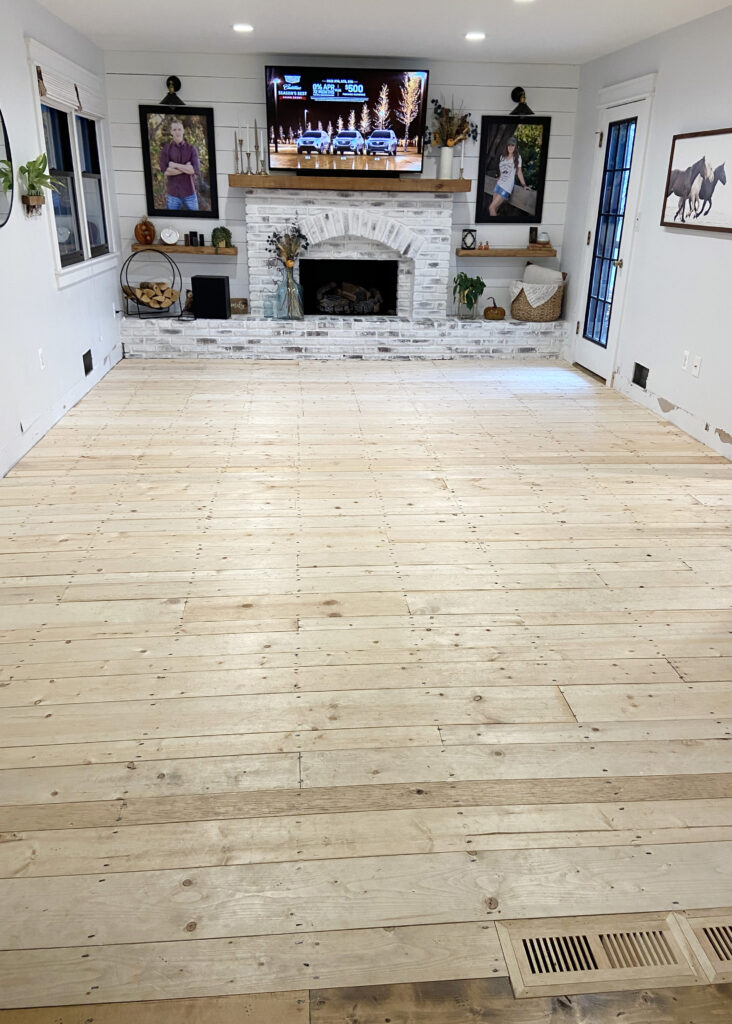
<point x="509" y="168"/>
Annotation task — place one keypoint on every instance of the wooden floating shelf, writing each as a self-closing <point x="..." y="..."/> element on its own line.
<point x="348" y="184"/>
<point x="542" y="251"/>
<point x="33" y="200"/>
<point x="201" y="250"/>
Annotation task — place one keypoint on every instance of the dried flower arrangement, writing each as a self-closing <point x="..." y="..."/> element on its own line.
<point x="286" y="245"/>
<point x="450" y="125"/>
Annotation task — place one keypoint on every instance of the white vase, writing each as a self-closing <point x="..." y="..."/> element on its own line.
<point x="445" y="168"/>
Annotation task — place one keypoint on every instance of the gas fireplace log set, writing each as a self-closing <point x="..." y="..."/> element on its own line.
<point x="348" y="299"/>
<point x="352" y="287"/>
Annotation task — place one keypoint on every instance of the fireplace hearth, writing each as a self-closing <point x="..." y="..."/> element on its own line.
<point x="350" y="287"/>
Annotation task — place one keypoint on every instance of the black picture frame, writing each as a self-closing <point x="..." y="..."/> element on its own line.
<point x="6" y="198"/>
<point x="525" y="205"/>
<point x="198" y="133"/>
<point x="691" y="191"/>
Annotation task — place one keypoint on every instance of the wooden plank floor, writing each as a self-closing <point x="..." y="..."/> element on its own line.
<point x="309" y="673"/>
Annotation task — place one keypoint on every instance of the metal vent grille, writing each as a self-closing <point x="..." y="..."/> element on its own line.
<point x="559" y="956"/>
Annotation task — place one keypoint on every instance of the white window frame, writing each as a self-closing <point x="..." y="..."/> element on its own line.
<point x="79" y="93"/>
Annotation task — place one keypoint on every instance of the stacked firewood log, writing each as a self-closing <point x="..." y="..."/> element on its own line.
<point x="155" y="294"/>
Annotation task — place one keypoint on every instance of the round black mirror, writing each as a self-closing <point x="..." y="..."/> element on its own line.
<point x="6" y="174"/>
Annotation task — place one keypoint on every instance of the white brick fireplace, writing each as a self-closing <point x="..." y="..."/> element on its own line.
<point x="412" y="228"/>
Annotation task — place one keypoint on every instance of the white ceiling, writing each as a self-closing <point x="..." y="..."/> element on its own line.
<point x="557" y="31"/>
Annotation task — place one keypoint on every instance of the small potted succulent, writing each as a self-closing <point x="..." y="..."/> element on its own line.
<point x="467" y="290"/>
<point x="221" y="238"/>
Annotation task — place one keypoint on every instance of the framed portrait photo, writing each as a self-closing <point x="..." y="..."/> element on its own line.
<point x="695" y="195"/>
<point x="179" y="160"/>
<point x="512" y="169"/>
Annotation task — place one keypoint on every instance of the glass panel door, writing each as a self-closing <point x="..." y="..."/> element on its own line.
<point x="609" y="230"/>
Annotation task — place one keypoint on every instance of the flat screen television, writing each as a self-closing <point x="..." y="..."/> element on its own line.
<point x="346" y="120"/>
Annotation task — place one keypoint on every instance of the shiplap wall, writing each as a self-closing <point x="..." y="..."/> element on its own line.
<point x="234" y="86"/>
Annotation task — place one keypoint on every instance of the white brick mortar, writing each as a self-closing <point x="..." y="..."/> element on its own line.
<point x="318" y="337"/>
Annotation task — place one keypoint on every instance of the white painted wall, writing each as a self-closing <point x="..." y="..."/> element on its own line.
<point x="34" y="313"/>
<point x="234" y="86"/>
<point x="677" y="295"/>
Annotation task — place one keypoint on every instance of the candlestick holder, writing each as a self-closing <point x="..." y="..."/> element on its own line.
<point x="249" y="163"/>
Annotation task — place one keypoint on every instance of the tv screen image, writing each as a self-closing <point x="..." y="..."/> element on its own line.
<point x="353" y="120"/>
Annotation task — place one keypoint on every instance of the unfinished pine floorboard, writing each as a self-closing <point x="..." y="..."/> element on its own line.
<point x="310" y="673"/>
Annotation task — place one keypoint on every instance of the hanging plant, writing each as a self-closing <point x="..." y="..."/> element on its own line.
<point x="34" y="177"/>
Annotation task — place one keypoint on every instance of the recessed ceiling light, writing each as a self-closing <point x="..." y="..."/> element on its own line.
<point x="243" y="27"/>
<point x="475" y="37"/>
<point x="523" y="1"/>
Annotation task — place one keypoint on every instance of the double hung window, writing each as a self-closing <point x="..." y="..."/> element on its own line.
<point x="78" y="199"/>
<point x="72" y="106"/>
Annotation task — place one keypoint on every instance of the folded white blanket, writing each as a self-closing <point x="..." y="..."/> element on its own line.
<point x="536" y="294"/>
<point x="535" y="274"/>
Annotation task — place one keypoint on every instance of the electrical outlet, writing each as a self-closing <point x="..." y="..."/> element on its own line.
<point x="685" y="361"/>
<point x="696" y="366"/>
<point x="41" y="360"/>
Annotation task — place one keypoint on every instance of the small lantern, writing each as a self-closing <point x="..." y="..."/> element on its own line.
<point x="171" y="98"/>
<point x="468" y="238"/>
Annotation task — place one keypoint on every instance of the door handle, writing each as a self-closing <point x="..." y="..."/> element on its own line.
<point x="618" y="264"/>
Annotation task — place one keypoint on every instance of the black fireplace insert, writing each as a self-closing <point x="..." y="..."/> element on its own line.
<point x="350" y="287"/>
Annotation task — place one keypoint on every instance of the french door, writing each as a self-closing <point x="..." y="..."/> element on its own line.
<point x="610" y="234"/>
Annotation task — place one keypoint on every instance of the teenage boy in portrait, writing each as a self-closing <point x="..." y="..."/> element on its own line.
<point x="180" y="164"/>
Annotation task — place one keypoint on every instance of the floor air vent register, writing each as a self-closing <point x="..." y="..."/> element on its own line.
<point x="711" y="931"/>
<point x="566" y="956"/>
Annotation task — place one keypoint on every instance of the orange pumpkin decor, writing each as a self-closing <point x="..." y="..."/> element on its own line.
<point x="145" y="232"/>
<point x="494" y="312"/>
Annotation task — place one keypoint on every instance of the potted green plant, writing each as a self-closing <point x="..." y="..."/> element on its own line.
<point x="467" y="290"/>
<point x="34" y="179"/>
<point x="221" y="238"/>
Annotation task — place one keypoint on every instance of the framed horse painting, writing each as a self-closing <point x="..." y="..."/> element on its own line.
<point x="696" y="195"/>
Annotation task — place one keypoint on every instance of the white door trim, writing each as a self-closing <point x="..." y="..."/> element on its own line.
<point x="625" y="92"/>
<point x="612" y="97"/>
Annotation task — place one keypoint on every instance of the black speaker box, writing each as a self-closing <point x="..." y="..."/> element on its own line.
<point x="211" y="297"/>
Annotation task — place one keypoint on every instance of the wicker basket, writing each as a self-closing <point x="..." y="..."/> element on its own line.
<point x="521" y="308"/>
